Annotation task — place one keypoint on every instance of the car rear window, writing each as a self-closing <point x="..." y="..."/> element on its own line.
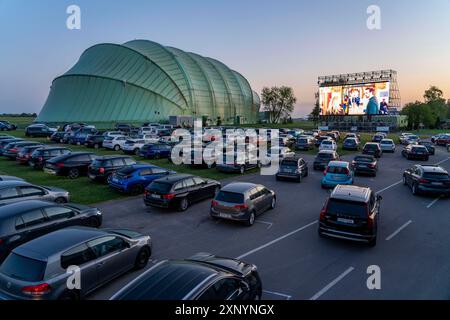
<point x="371" y="146"/>
<point x="364" y="159"/>
<point x="160" y="187"/>
<point x="23" y="268"/>
<point x="325" y="156"/>
<point x="347" y="208"/>
<point x="436" y="175"/>
<point x="289" y="163"/>
<point x="231" y="197"/>
<point x="337" y="170"/>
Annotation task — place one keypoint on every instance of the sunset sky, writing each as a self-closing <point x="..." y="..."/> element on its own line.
<point x="283" y="42"/>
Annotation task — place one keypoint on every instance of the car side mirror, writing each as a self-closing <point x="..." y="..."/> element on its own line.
<point x="379" y="198"/>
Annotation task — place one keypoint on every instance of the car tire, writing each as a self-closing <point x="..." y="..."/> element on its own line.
<point x="242" y="170"/>
<point x="137" y="190"/>
<point x="306" y="173"/>
<point x="60" y="200"/>
<point x="142" y="258"/>
<point x="136" y="151"/>
<point x="183" y="205"/>
<point x="251" y="219"/>
<point x="74" y="174"/>
<point x="414" y="189"/>
<point x="70" y="295"/>
<point x="273" y="203"/>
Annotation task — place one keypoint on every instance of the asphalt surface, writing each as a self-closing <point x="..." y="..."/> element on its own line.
<point x="413" y="250"/>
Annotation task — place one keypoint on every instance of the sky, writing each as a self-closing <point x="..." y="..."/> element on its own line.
<point x="271" y="43"/>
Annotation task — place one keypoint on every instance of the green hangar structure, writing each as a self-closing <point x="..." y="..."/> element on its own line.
<point x="143" y="81"/>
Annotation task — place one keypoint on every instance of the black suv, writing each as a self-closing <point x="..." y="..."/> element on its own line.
<point x="72" y="165"/>
<point x="103" y="167"/>
<point x="94" y="141"/>
<point x="427" y="179"/>
<point x="179" y="191"/>
<point x="373" y="149"/>
<point x="292" y="168"/>
<point x="351" y="213"/>
<point x="202" y="277"/>
<point x="58" y="137"/>
<point x="38" y="130"/>
<point x="40" y="156"/>
<point x="12" y="149"/>
<point x="323" y="158"/>
<point x="365" y="164"/>
<point x="23" y="221"/>
<point x="416" y="152"/>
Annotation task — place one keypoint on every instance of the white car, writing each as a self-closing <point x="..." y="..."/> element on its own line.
<point x="133" y="146"/>
<point x="114" y="143"/>
<point x="113" y="134"/>
<point x="387" y="145"/>
<point x="328" y="145"/>
<point x="412" y="139"/>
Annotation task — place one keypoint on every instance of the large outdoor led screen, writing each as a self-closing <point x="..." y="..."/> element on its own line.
<point x="362" y="99"/>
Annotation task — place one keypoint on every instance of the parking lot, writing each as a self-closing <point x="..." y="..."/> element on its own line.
<point x="294" y="263"/>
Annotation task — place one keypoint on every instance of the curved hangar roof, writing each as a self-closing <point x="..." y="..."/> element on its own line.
<point x="144" y="81"/>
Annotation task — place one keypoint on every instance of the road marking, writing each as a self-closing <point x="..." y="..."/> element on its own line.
<point x="331" y="284"/>
<point x="270" y="224"/>
<point x="391" y="186"/>
<point x="441" y="162"/>
<point x="275" y="241"/>
<point x="399" y="230"/>
<point x="288" y="297"/>
<point x="433" y="203"/>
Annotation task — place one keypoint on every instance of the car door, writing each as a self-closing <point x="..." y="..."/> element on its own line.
<point x="302" y="167"/>
<point x="9" y="195"/>
<point x="114" y="256"/>
<point x="256" y="199"/>
<point x="193" y="190"/>
<point x="60" y="217"/>
<point x="205" y="190"/>
<point x="266" y="198"/>
<point x="31" y="225"/>
<point x="412" y="176"/>
<point x="32" y="193"/>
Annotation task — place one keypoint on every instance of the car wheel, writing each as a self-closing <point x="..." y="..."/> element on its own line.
<point x="251" y="219"/>
<point x="306" y="173"/>
<point x="70" y="295"/>
<point x="142" y="258"/>
<point x="61" y="141"/>
<point x="74" y="173"/>
<point x="273" y="204"/>
<point x="60" y="200"/>
<point x="414" y="189"/>
<point x="116" y="147"/>
<point x="137" y="189"/>
<point x="242" y="170"/>
<point x="184" y="204"/>
<point x="96" y="146"/>
<point x="136" y="151"/>
<point x="404" y="181"/>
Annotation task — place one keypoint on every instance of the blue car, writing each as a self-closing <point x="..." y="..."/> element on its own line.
<point x="79" y="137"/>
<point x="337" y="173"/>
<point x="134" y="179"/>
<point x="156" y="151"/>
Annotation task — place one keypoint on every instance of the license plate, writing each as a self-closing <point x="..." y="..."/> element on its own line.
<point x="362" y="166"/>
<point x="347" y="221"/>
<point x="50" y="171"/>
<point x="224" y="215"/>
<point x="91" y="176"/>
<point x="155" y="196"/>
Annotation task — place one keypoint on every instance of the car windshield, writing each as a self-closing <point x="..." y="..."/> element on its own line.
<point x="347" y="208"/>
<point x="326" y="142"/>
<point x="350" y="141"/>
<point x="231" y="197"/>
<point x="337" y="170"/>
<point x="160" y="187"/>
<point x="386" y="142"/>
<point x="364" y="159"/>
<point x="23" y="268"/>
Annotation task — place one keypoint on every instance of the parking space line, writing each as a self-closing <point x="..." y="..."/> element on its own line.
<point x="391" y="186"/>
<point x="331" y="284"/>
<point x="399" y="230"/>
<point x="288" y="297"/>
<point x="441" y="162"/>
<point x="269" y="224"/>
<point x="276" y="240"/>
<point x="433" y="203"/>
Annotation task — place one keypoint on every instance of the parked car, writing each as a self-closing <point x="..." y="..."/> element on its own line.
<point x="179" y="191"/>
<point x="114" y="143"/>
<point x="133" y="179"/>
<point x="350" y="144"/>
<point x="242" y="202"/>
<point x="241" y="163"/>
<point x="280" y="153"/>
<point x="430" y="148"/>
<point x="373" y="149"/>
<point x="365" y="164"/>
<point x="443" y="140"/>
<point x="323" y="158"/>
<point x="40" y="156"/>
<point x="415" y="151"/>
<point x="10" y="178"/>
<point x="403" y="138"/>
<point x="102" y="168"/>
<point x="26" y="220"/>
<point x="72" y="165"/>
<point x="5" y="137"/>
<point x="156" y="151"/>
<point x="320" y="139"/>
<point x="12" y="149"/>
<point x="304" y="143"/>
<point x="7" y="126"/>
<point x="123" y="127"/>
<point x="353" y="135"/>
<point x="337" y="173"/>
<point x="39" y="130"/>
<point x="203" y="277"/>
<point x="411" y="139"/>
<point x="427" y="179"/>
<point x="377" y="138"/>
<point x="387" y="145"/>
<point x="328" y="145"/>
<point x="5" y="142"/>
<point x="133" y="146"/>
<point x="14" y="191"/>
<point x="80" y="136"/>
<point x="37" y="270"/>
<point x="351" y="213"/>
<point x="58" y="137"/>
<point x="292" y="168"/>
<point x="94" y="141"/>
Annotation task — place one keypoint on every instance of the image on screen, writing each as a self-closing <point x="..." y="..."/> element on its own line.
<point x="362" y="99"/>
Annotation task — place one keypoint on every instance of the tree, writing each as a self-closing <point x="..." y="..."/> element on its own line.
<point x="315" y="113"/>
<point x="279" y="102"/>
<point x="434" y="94"/>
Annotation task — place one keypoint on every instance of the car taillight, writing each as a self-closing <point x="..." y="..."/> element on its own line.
<point x="59" y="165"/>
<point x="169" y="196"/>
<point x="13" y="150"/>
<point x="101" y="170"/>
<point x="40" y="159"/>
<point x="370" y="221"/>
<point x="372" y="165"/>
<point x="214" y="203"/>
<point x="424" y="181"/>
<point x="241" y="206"/>
<point x="323" y="212"/>
<point x="38" y="290"/>
<point x="146" y="192"/>
<point x="1" y="242"/>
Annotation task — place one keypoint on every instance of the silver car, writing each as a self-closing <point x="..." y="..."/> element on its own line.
<point x="13" y="191"/>
<point x="53" y="266"/>
<point x="387" y="145"/>
<point x="9" y="178"/>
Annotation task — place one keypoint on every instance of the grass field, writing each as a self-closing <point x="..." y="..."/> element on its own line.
<point x="20" y="122"/>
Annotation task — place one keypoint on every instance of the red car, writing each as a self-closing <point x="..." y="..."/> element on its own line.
<point x="24" y="154"/>
<point x="443" y="140"/>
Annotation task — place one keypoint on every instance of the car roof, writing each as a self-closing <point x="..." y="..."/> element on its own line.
<point x="174" y="178"/>
<point x="326" y="151"/>
<point x="46" y="148"/>
<point x="57" y="241"/>
<point x="13" y="209"/>
<point x="351" y="193"/>
<point x="433" y="169"/>
<point x="342" y="164"/>
<point x="239" y="187"/>
<point x="13" y="183"/>
<point x="143" y="166"/>
<point x="110" y="157"/>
